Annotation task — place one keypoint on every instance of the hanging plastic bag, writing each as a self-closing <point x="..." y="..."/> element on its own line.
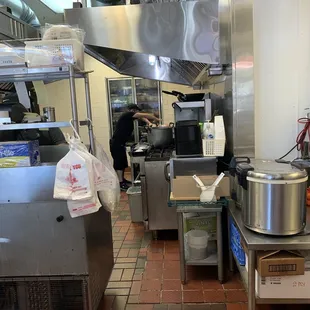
<point x="110" y="195"/>
<point x="74" y="177"/>
<point x="83" y="207"/>
<point x="98" y="168"/>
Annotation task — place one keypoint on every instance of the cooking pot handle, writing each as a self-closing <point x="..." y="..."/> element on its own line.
<point x="237" y="160"/>
<point x="168" y="93"/>
<point x="167" y="175"/>
<point x="171" y="124"/>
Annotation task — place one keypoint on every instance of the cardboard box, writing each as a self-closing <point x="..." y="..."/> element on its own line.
<point x="289" y="287"/>
<point x="280" y="263"/>
<point x="19" y="154"/>
<point x="185" y="187"/>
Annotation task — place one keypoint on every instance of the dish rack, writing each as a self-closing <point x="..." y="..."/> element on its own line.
<point x="42" y="53"/>
<point x="215" y="147"/>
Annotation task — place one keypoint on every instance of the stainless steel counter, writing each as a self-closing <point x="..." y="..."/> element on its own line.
<point x="264" y="242"/>
<point x="257" y="242"/>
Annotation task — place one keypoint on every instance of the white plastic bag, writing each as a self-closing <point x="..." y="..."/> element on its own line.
<point x="74" y="177"/>
<point x="98" y="167"/>
<point x="83" y="207"/>
<point x="110" y="195"/>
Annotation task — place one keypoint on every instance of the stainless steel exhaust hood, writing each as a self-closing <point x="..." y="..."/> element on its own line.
<point x="181" y="42"/>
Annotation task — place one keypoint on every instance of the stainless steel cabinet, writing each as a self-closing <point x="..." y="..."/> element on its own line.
<point x="124" y="91"/>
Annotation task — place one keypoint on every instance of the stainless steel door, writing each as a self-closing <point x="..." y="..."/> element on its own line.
<point x="160" y="216"/>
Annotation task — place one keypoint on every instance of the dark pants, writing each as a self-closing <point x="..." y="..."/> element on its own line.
<point x="118" y="152"/>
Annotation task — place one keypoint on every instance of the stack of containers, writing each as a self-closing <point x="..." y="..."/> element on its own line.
<point x="60" y="45"/>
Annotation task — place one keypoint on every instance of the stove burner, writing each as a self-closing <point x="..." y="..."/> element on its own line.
<point x="160" y="153"/>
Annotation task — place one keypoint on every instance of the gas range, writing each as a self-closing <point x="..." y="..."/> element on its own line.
<point x="140" y="149"/>
<point x="159" y="154"/>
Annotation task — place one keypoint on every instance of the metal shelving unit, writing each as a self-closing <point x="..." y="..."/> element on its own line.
<point x="38" y="276"/>
<point x="214" y="259"/>
<point x="256" y="242"/>
<point x="25" y="74"/>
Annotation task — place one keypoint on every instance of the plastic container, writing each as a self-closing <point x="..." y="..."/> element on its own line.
<point x="198" y="244"/>
<point x="235" y="243"/>
<point x="54" y="53"/>
<point x="135" y="203"/>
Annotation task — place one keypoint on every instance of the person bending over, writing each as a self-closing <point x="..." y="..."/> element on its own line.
<point x="122" y="134"/>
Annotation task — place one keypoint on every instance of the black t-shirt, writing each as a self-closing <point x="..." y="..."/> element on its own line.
<point x="124" y="128"/>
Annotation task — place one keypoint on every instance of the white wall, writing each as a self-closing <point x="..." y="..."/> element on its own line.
<point x="282" y="75"/>
<point x="57" y="94"/>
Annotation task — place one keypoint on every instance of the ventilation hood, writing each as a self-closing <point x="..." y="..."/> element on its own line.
<point x="180" y="42"/>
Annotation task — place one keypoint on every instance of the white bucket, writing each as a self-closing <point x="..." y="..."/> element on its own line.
<point x="198" y="244"/>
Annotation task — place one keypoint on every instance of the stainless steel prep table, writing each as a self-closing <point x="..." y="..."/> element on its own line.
<point x="257" y="242"/>
<point x="212" y="260"/>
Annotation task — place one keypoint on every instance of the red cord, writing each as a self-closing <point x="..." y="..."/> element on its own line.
<point x="302" y="135"/>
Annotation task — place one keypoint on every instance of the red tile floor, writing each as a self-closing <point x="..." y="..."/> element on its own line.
<point x="146" y="275"/>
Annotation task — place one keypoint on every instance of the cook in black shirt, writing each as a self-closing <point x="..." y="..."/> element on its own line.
<point x="122" y="134"/>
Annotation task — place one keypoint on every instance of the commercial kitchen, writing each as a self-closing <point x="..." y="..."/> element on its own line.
<point x="216" y="214"/>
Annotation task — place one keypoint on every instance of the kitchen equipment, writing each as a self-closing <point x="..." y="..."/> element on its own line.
<point x="155" y="192"/>
<point x="49" y="114"/>
<point x="188" y="138"/>
<point x="185" y="97"/>
<point x="197" y="241"/>
<point x="161" y="136"/>
<point x="275" y="197"/>
<point x="135" y="203"/>
<point x="187" y="166"/>
<point x="235" y="188"/>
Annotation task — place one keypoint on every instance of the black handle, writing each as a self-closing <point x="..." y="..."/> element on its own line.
<point x="171" y="124"/>
<point x="237" y="160"/>
<point x="168" y="93"/>
<point x="167" y="176"/>
<point x="60" y="218"/>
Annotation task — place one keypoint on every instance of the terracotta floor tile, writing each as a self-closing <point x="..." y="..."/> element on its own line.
<point x="155" y="250"/>
<point x="171" y="297"/>
<point x="171" y="274"/>
<point x="171" y="285"/>
<point x="154" y="265"/>
<point x="154" y="256"/>
<point x="233" y="307"/>
<point x="174" y="249"/>
<point x="172" y="256"/>
<point x="236" y="296"/>
<point x="171" y="264"/>
<point x="149" y="297"/>
<point x="233" y="283"/>
<point x="151" y="285"/>
<point x="137" y="277"/>
<point x="133" y="299"/>
<point x="135" y="288"/>
<point x="211" y="284"/>
<point x="127" y="274"/>
<point x="152" y="274"/>
<point x="139" y="307"/>
<point x="192" y="286"/>
<point x="171" y="243"/>
<point x="193" y="296"/>
<point x="214" y="296"/>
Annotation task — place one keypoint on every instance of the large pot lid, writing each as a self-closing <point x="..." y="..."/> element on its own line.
<point x="271" y="170"/>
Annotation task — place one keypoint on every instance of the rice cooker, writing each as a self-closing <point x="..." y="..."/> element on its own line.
<point x="274" y="197"/>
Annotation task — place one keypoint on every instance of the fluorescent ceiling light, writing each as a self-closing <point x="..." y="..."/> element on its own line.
<point x="58" y="6"/>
